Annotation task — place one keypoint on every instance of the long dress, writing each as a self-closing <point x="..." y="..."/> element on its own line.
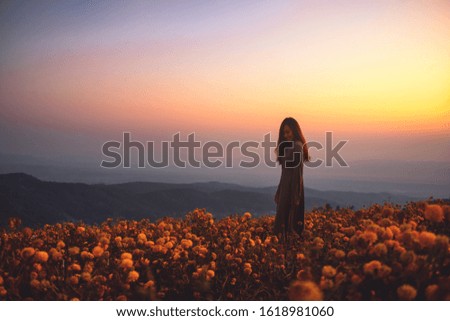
<point x="290" y="217"/>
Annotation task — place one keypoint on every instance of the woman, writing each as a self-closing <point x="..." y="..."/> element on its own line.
<point x="291" y="153"/>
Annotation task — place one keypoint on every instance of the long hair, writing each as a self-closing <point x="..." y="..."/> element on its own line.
<point x="298" y="136"/>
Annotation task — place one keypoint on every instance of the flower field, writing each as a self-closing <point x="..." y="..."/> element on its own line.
<point x="383" y="252"/>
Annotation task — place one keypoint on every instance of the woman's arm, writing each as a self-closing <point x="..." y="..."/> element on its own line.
<point x="297" y="165"/>
<point x="277" y="194"/>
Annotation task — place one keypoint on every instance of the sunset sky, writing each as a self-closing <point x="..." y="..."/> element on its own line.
<point x="76" y="74"/>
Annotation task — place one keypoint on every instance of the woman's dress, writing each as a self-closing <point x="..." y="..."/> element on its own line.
<point x="290" y="217"/>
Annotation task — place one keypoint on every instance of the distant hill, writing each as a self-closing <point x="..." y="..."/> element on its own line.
<point x="38" y="202"/>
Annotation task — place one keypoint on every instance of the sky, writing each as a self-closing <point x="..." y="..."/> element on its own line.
<point x="75" y="74"/>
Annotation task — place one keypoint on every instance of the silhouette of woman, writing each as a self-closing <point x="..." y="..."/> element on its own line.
<point x="291" y="153"/>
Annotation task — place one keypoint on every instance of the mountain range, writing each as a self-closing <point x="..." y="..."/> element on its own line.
<point x="39" y="202"/>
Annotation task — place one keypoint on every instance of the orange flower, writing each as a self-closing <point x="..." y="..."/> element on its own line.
<point x="55" y="254"/>
<point x="85" y="255"/>
<point x="74" y="267"/>
<point x="74" y="250"/>
<point x="126" y="255"/>
<point x="35" y="284"/>
<point x="369" y="236"/>
<point x="126" y="264"/>
<point x="356" y="279"/>
<point x="339" y="254"/>
<point x="431" y="292"/>
<point x="74" y="279"/>
<point x="434" y="212"/>
<point x="426" y="239"/>
<point x="186" y="243"/>
<point x="133" y="276"/>
<point x="388" y="211"/>
<point x="149" y="284"/>
<point x="328" y="271"/>
<point x="28" y="252"/>
<point x="406" y="292"/>
<point x="372" y="267"/>
<point x="41" y="256"/>
<point x="379" y="249"/>
<point x="97" y="251"/>
<point x="300" y="256"/>
<point x="209" y="274"/>
<point x="304" y="290"/>
<point x="142" y="238"/>
<point x="86" y="276"/>
<point x="326" y="284"/>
